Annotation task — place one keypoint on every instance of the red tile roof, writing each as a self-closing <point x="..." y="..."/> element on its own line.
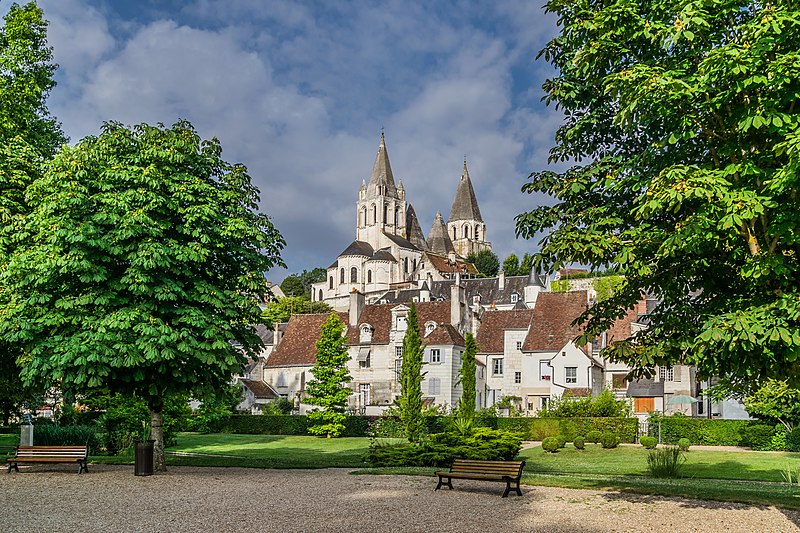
<point x="491" y="336"/>
<point x="299" y="342"/>
<point x="621" y="329"/>
<point x="443" y="264"/>
<point x="380" y="318"/>
<point x="444" y="335"/>
<point x="260" y="389"/>
<point x="553" y="314"/>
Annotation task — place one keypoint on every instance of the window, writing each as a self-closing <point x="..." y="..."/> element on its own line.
<point x="414" y="265"/>
<point x="454" y="233"/>
<point x="341" y="275"/>
<point x="405" y="265"/>
<point x="401" y="323"/>
<point x="466" y="231"/>
<point x="330" y="282"/>
<point x="571" y="374"/>
<point x="398" y="369"/>
<point x="320" y="295"/>
<point x="398" y="351"/>
<point x="434" y="385"/>
<point x="365" y="395"/>
<point x="497" y="367"/>
<point x="477" y="233"/>
<point x="436" y="356"/>
<point x="517" y="377"/>
<point x="385" y="214"/>
<point x="519" y="346"/>
<point x="354" y="275"/>
<point x="480" y="372"/>
<point x="396" y="216"/>
<point x="618" y="381"/>
<point x="543" y="401"/>
<point x="374" y="214"/>
<point x="545" y="370"/>
<point x="666" y="373"/>
<point x="363" y="357"/>
<point x="514" y="298"/>
<point x="364" y="216"/>
<point x="369" y="276"/>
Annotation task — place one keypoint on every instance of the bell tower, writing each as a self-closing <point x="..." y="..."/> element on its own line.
<point x="381" y="206"/>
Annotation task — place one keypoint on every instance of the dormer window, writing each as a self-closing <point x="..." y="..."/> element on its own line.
<point x="476" y="300"/>
<point x="430" y="326"/>
<point x="401" y="324"/>
<point x="514" y="298"/>
<point x="365" y="334"/>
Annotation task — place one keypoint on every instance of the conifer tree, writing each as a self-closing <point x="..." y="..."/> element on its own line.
<point x="328" y="389"/>
<point x="466" y="408"/>
<point x="410" y="400"/>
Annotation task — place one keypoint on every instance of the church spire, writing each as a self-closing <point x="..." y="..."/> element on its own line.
<point x="438" y="239"/>
<point x="381" y="182"/>
<point x="465" y="205"/>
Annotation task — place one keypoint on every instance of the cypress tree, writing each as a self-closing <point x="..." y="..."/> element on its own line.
<point x="410" y="400"/>
<point x="466" y="408"/>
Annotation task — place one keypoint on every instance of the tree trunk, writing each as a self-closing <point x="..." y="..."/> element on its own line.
<point x="157" y="433"/>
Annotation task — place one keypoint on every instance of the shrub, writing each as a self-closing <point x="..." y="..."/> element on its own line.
<point x="594" y="436"/>
<point x="665" y="462"/>
<point x="710" y="432"/>
<point x="540" y="428"/>
<point x="778" y="442"/>
<point x="551" y="444"/>
<point x="648" y="442"/>
<point x="793" y="440"/>
<point x="53" y="435"/>
<point x="609" y="440"/>
<point x="604" y="405"/>
<point x="578" y="442"/>
<point x="562" y="441"/>
<point x="683" y="444"/>
<point x="758" y="436"/>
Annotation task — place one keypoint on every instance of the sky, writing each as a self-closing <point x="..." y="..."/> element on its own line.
<point x="299" y="92"/>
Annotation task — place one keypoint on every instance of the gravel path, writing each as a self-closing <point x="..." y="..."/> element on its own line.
<point x="53" y="498"/>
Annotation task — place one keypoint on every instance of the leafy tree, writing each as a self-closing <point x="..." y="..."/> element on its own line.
<point x="328" y="389"/>
<point x="280" y="310"/>
<point x="526" y="265"/>
<point x="683" y="120"/>
<point x="143" y="267"/>
<point x="486" y="262"/>
<point x="410" y="400"/>
<point x="293" y="286"/>
<point x="28" y="136"/>
<point x="511" y="265"/>
<point x="300" y="284"/>
<point x="466" y="408"/>
<point x="774" y="401"/>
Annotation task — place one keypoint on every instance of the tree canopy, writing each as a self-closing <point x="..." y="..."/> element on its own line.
<point x="300" y="284"/>
<point x="681" y="122"/>
<point x="281" y="309"/>
<point x="328" y="387"/>
<point x="486" y="262"/>
<point x="142" y="266"/>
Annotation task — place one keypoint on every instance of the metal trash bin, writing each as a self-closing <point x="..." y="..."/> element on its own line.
<point x="144" y="458"/>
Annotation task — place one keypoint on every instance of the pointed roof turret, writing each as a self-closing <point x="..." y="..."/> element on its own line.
<point x="438" y="239"/>
<point x="534" y="279"/>
<point x="414" y="230"/>
<point x="465" y="205"/>
<point x="381" y="173"/>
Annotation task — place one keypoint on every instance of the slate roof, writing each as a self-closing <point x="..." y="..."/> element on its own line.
<point x="438" y="239"/>
<point x="260" y="389"/>
<point x="551" y="327"/>
<point x="400" y="241"/>
<point x="357" y="248"/>
<point x="381" y="173"/>
<point x="414" y="230"/>
<point x="645" y="388"/>
<point x="380" y="318"/>
<point x="299" y="343"/>
<point x="383" y="255"/>
<point x="465" y="205"/>
<point x="266" y="335"/>
<point x="491" y="336"/>
<point x="487" y="288"/>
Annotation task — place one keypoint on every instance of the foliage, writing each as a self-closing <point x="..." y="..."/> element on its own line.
<point x="609" y="440"/>
<point x="775" y="401"/>
<point x="513" y="267"/>
<point x="562" y="440"/>
<point x="648" y="442"/>
<point x="142" y="267"/>
<point x="665" y="462"/>
<point x="683" y="444"/>
<point x="300" y="284"/>
<point x="281" y="309"/>
<point x="56" y="435"/>
<point x="327" y="389"/>
<point x="281" y="406"/>
<point x="297" y="425"/>
<point x="791" y="475"/>
<point x="700" y="431"/>
<point x="410" y="400"/>
<point x="567" y="406"/>
<point x="560" y="285"/>
<point x="758" y="436"/>
<point x="216" y="408"/>
<point x="579" y="442"/>
<point x="683" y="121"/>
<point x="462" y="425"/>
<point x="551" y="444"/>
<point x="539" y="428"/>
<point x="594" y="436"/>
<point x="793" y="440"/>
<point x="126" y="419"/>
<point x="466" y="374"/>
<point x="606" y="286"/>
<point x="510" y="403"/>
<point x="486" y="262"/>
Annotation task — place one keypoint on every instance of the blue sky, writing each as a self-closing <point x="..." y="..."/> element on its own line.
<point x="299" y="92"/>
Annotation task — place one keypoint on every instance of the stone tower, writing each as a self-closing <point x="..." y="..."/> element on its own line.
<point x="381" y="206"/>
<point x="465" y="225"/>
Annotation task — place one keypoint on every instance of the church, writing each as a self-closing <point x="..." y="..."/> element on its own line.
<point x="390" y="251"/>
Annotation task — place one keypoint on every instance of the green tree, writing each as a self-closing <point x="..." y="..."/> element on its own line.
<point x="410" y="400"/>
<point x="28" y="137"/>
<point x="775" y="401"/>
<point x="511" y="265"/>
<point x="683" y="119"/>
<point x="466" y="407"/>
<point x="486" y="262"/>
<point x="281" y="309"/>
<point x="526" y="265"/>
<point x="293" y="286"/>
<point x="142" y="269"/>
<point x="328" y="389"/>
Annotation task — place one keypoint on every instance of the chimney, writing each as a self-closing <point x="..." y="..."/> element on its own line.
<point x="501" y="280"/>
<point x="356" y="306"/>
<point x="457" y="304"/>
<point x="276" y="337"/>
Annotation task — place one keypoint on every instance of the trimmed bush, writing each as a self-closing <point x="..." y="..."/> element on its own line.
<point x="578" y="442"/>
<point x="540" y="428"/>
<point x="793" y="440"/>
<point x="551" y="444"/>
<point x="683" y="444"/>
<point x="594" y="436"/>
<point x="758" y="436"/>
<point x="666" y="462"/>
<point x="609" y="440"/>
<point x="562" y="441"/>
<point x="648" y="442"/>
<point x="700" y="431"/>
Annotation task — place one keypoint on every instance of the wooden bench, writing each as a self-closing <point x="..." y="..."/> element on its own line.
<point x="50" y="454"/>
<point x="507" y="471"/>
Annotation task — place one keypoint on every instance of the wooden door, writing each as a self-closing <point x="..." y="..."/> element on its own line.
<point x="644" y="405"/>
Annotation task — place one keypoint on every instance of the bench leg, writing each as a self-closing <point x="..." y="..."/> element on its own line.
<point x="83" y="467"/>
<point x="14" y="466"/>
<point x="449" y="483"/>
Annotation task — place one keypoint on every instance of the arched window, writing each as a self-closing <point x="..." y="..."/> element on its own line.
<point x="454" y="233"/>
<point x="405" y="265"/>
<point x="320" y="295"/>
<point x="466" y="231"/>
<point x="353" y="275"/>
<point x="374" y="214"/>
<point x="396" y="216"/>
<point x="477" y="233"/>
<point x="330" y="282"/>
<point x="363" y="216"/>
<point x="341" y="276"/>
<point x="414" y="265"/>
<point x="369" y="276"/>
<point x="385" y="214"/>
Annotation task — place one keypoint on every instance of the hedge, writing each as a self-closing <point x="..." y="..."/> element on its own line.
<point x="699" y="431"/>
<point x="541" y="428"/>
<point x="355" y="426"/>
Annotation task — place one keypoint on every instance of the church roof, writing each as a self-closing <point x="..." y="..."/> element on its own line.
<point x="465" y="205"/>
<point x="400" y="241"/>
<point x="358" y="248"/>
<point x="381" y="173"/>
<point x="383" y="255"/>
<point x="415" y="235"/>
<point x="438" y="239"/>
